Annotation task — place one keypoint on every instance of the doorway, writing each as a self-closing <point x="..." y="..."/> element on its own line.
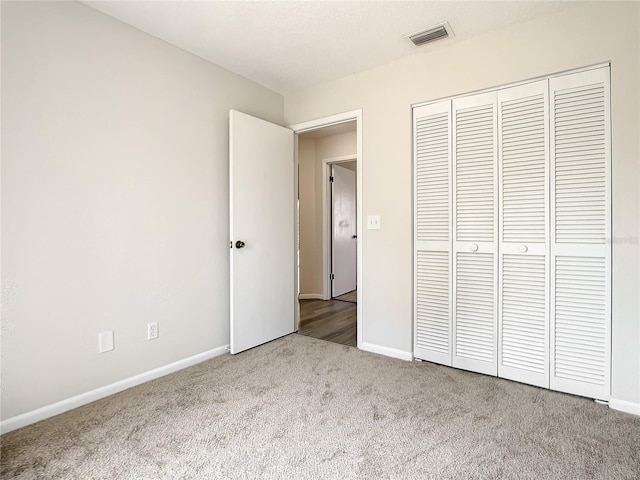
<point x="327" y="149"/>
<point x="342" y="225"/>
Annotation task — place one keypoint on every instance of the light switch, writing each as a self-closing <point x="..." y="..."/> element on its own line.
<point x="105" y="341"/>
<point x="373" y="222"/>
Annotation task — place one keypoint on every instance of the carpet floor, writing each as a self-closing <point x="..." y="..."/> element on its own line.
<point x="302" y="408"/>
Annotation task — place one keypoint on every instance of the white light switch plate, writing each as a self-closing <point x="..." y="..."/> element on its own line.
<point x="105" y="341"/>
<point x="373" y="222"/>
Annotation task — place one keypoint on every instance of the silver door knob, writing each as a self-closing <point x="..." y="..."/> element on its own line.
<point x="523" y="248"/>
<point x="473" y="247"/>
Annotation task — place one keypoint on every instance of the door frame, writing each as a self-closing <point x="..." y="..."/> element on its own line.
<point x="316" y="124"/>
<point x="327" y="224"/>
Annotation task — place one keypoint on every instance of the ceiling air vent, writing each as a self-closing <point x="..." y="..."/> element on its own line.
<point x="430" y="35"/>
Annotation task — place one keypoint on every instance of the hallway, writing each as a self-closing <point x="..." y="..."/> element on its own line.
<point x="331" y="320"/>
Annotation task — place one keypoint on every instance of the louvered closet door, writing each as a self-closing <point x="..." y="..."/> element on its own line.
<point x="432" y="237"/>
<point x="581" y="230"/>
<point x="523" y="318"/>
<point x="475" y="230"/>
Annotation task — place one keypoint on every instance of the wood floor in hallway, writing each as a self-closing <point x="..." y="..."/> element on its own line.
<point x="330" y="320"/>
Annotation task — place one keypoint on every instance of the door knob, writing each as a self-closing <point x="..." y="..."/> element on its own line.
<point x="473" y="247"/>
<point x="523" y="248"/>
<point x="239" y="244"/>
<point x="354" y="236"/>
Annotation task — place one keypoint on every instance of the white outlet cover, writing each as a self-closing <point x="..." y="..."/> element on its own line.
<point x="105" y="341"/>
<point x="373" y="222"/>
<point x="152" y="331"/>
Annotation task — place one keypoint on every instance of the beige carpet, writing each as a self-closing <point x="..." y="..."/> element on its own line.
<point x="301" y="408"/>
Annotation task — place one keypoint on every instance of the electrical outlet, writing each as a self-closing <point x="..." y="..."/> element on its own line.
<point x="152" y="330"/>
<point x="373" y="222"/>
<point x="105" y="341"/>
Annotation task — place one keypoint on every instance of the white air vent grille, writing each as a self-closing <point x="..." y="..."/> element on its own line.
<point x="430" y="35"/>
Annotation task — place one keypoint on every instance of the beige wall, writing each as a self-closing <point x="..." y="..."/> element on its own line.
<point x="311" y="153"/>
<point x="114" y="200"/>
<point x="549" y="44"/>
<point x="310" y="238"/>
<point x="353" y="166"/>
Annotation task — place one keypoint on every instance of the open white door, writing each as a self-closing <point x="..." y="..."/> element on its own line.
<point x="262" y="218"/>
<point x="343" y="225"/>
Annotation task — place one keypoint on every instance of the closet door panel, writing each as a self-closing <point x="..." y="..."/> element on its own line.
<point x="475" y="312"/>
<point x="523" y="344"/>
<point x="523" y="319"/>
<point x="432" y="232"/>
<point x="475" y="226"/>
<point x="581" y="233"/>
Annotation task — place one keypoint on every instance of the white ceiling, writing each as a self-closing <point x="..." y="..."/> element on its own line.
<point x="290" y="45"/>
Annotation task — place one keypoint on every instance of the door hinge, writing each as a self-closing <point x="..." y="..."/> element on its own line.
<point x="331" y="179"/>
<point x="332" y="276"/>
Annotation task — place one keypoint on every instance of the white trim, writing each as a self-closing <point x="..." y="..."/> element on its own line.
<point x="311" y="296"/>
<point x="334" y="120"/>
<point x="327" y="121"/>
<point x="62" y="406"/>
<point x="624" y="406"/>
<point x="326" y="219"/>
<point x="296" y="234"/>
<point x="387" y="351"/>
<point x="515" y="84"/>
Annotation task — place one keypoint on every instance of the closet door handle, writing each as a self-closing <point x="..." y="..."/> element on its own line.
<point x="473" y="247"/>
<point x="523" y="248"/>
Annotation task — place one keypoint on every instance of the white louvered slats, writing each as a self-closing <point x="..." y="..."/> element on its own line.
<point x="580" y="175"/>
<point x="524" y="322"/>
<point x="524" y="227"/>
<point x="475" y="173"/>
<point x="523" y="156"/>
<point x="432" y="177"/>
<point x="432" y="307"/>
<point x="475" y="309"/>
<point x="432" y="233"/>
<point x="512" y="233"/>
<point x="581" y="320"/>
<point x="581" y="229"/>
<point x="475" y="232"/>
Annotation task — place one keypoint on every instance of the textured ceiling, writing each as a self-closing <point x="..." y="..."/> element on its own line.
<point x="290" y="45"/>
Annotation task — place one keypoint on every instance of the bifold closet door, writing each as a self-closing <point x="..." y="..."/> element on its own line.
<point x="432" y="232"/>
<point x="523" y="312"/>
<point x="475" y="233"/>
<point x="581" y="233"/>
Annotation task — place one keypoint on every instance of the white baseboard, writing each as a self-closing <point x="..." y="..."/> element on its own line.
<point x="311" y="296"/>
<point x="389" y="352"/>
<point x="624" y="406"/>
<point x="62" y="406"/>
